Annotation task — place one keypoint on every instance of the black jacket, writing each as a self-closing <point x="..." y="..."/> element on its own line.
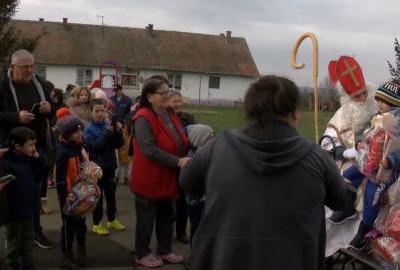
<point x="23" y="194"/>
<point x="9" y="114"/>
<point x="265" y="191"/>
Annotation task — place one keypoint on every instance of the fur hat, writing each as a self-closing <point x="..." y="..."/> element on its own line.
<point x="68" y="125"/>
<point x="389" y="93"/>
<point x="199" y="134"/>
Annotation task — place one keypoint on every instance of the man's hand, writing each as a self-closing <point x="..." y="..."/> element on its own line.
<point x="25" y="117"/>
<point x="45" y="107"/>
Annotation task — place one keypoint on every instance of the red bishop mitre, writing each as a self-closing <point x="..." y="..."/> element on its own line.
<point x="349" y="73"/>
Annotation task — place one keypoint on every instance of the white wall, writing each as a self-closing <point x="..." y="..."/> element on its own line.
<point x="194" y="86"/>
<point x="61" y="76"/>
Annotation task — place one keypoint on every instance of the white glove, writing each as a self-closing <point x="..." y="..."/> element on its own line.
<point x="350" y="153"/>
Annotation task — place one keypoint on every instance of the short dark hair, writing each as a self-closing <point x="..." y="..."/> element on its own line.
<point x="269" y="98"/>
<point x="96" y="101"/>
<point x="150" y="87"/>
<point x="117" y="86"/>
<point x="58" y="93"/>
<point x="20" y="135"/>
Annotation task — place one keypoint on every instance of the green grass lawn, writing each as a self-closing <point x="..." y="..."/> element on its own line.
<point x="221" y="118"/>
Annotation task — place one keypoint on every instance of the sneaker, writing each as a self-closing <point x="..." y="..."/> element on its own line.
<point x="338" y="217"/>
<point x="115" y="225"/>
<point x="100" y="229"/>
<point x="41" y="241"/>
<point x="171" y="258"/>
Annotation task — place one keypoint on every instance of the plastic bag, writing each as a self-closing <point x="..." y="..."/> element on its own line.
<point x="393" y="222"/>
<point x="372" y="152"/>
<point x="82" y="199"/>
<point x="388" y="248"/>
<point x="85" y="193"/>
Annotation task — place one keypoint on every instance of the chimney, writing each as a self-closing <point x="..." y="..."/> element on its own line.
<point x="65" y="22"/>
<point x="228" y="36"/>
<point x="41" y="20"/>
<point x="149" y="28"/>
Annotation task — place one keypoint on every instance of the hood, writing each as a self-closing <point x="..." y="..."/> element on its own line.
<point x="269" y="149"/>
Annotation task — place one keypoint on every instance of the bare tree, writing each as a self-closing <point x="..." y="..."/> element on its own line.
<point x="329" y="96"/>
<point x="10" y="39"/>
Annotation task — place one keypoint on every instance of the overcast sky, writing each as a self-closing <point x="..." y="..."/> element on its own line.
<point x="363" y="29"/>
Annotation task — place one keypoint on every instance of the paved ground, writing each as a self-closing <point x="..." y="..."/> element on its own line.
<point x="104" y="252"/>
<point x="113" y="252"/>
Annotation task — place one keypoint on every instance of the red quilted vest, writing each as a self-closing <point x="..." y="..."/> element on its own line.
<point x="148" y="177"/>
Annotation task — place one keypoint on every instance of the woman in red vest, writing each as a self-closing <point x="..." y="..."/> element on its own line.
<point x="159" y="150"/>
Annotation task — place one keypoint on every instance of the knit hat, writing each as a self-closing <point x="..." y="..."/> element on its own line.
<point x="389" y="93"/>
<point x="68" y="125"/>
<point x="198" y="134"/>
<point x="62" y="112"/>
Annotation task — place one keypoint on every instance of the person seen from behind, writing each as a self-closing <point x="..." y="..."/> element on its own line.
<point x="265" y="188"/>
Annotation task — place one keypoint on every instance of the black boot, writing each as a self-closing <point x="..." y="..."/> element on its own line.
<point x="81" y="255"/>
<point x="358" y="242"/>
<point x="68" y="262"/>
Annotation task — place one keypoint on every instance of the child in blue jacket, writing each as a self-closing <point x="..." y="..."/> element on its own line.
<point x="101" y="138"/>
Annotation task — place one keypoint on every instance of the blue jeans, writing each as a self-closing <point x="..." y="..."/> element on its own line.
<point x="372" y="194"/>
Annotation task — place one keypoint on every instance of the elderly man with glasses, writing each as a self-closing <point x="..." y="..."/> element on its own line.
<point x="24" y="101"/>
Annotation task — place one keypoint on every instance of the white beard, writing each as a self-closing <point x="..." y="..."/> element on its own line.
<point x="352" y="115"/>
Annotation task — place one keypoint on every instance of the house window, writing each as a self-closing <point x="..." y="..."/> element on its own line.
<point x="40" y="71"/>
<point x="129" y="79"/>
<point x="84" y="76"/>
<point x="213" y="82"/>
<point x="175" y="81"/>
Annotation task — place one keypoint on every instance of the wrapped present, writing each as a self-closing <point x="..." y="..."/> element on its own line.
<point x="379" y="141"/>
<point x="85" y="193"/>
<point x="393" y="222"/>
<point x="82" y="199"/>
<point x="388" y="248"/>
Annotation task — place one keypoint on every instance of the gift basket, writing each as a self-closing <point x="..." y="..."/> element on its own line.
<point x="85" y="192"/>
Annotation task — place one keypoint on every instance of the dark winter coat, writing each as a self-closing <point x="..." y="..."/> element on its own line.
<point x="265" y="191"/>
<point x="23" y="193"/>
<point x="122" y="107"/>
<point x="9" y="114"/>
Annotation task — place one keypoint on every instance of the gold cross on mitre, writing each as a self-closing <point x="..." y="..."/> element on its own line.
<point x="350" y="70"/>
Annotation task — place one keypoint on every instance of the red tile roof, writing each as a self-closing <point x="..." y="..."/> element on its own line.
<point x="83" y="44"/>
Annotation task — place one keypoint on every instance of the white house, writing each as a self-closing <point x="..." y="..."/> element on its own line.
<point x="201" y="66"/>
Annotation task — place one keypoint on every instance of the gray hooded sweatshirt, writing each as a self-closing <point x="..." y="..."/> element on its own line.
<point x="265" y="190"/>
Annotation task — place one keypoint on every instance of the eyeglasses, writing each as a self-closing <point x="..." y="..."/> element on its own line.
<point x="163" y="93"/>
<point x="24" y="66"/>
